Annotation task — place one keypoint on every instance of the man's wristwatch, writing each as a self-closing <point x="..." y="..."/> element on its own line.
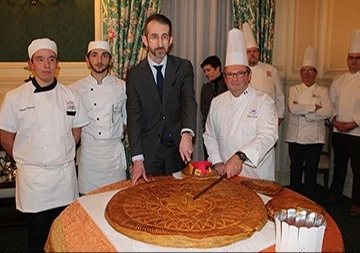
<point x="241" y="156"/>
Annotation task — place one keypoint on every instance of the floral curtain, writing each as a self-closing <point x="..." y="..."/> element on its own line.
<point x="260" y="14"/>
<point x="123" y="24"/>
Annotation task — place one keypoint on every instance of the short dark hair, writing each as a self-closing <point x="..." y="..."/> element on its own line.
<point x="213" y="60"/>
<point x="162" y="19"/>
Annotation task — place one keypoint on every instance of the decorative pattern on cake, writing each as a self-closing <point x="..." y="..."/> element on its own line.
<point x="163" y="213"/>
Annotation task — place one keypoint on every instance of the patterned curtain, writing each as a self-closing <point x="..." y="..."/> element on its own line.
<point x="260" y="14"/>
<point x="123" y="24"/>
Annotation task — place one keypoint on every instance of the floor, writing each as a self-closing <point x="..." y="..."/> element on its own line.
<point x="13" y="229"/>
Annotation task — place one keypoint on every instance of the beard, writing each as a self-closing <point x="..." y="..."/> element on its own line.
<point x="158" y="52"/>
<point x="253" y="61"/>
<point x="99" y="68"/>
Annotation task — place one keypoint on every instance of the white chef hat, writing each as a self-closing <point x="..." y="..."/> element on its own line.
<point x="310" y="58"/>
<point x="355" y="42"/>
<point x="236" y="50"/>
<point x="43" y="43"/>
<point x="99" y="45"/>
<point x="249" y="36"/>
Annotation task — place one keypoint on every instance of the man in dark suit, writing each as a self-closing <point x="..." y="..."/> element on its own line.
<point x="161" y="105"/>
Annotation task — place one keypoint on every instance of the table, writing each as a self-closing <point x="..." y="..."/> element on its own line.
<point x="74" y="230"/>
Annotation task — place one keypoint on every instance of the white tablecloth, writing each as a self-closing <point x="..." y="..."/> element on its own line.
<point x="95" y="207"/>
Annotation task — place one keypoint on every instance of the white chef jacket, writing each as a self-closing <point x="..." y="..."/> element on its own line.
<point x="44" y="146"/>
<point x="266" y="78"/>
<point x="102" y="156"/>
<point x="307" y="126"/>
<point x="345" y="100"/>
<point x="247" y="123"/>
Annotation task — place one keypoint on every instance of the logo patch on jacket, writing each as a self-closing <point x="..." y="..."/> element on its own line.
<point x="268" y="73"/>
<point x="70" y="108"/>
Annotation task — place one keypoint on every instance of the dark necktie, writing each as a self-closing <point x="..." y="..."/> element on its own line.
<point x="159" y="79"/>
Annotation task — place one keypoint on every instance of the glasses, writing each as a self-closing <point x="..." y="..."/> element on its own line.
<point x="155" y="37"/>
<point x="308" y="71"/>
<point x="237" y="74"/>
<point x="351" y="58"/>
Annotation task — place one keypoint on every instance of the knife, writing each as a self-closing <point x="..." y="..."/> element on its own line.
<point x="209" y="186"/>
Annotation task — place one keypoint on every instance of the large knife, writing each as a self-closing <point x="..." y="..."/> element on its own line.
<point x="209" y="186"/>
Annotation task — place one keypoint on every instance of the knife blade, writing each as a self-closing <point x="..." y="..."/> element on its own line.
<point x="209" y="187"/>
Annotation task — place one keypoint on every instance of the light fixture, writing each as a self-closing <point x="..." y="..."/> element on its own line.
<point x="33" y="2"/>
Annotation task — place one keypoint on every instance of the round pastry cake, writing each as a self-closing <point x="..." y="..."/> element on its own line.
<point x="164" y="213"/>
<point x="277" y="204"/>
<point x="267" y="187"/>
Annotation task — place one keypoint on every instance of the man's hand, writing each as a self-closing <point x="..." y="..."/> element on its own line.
<point x="233" y="166"/>
<point x="219" y="168"/>
<point x="138" y="170"/>
<point x="186" y="147"/>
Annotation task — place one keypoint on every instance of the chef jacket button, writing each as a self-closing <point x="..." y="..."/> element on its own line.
<point x="92" y="89"/>
<point x="94" y="104"/>
<point x="97" y="118"/>
<point x="99" y="133"/>
<point x="163" y="117"/>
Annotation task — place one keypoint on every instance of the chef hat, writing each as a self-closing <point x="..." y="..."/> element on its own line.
<point x="355" y="42"/>
<point x="310" y="58"/>
<point x="99" y="45"/>
<point x="249" y="37"/>
<point x="236" y="50"/>
<point x="43" y="43"/>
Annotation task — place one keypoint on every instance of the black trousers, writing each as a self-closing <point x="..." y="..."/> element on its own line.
<point x="167" y="160"/>
<point x="39" y="226"/>
<point x="346" y="147"/>
<point x="304" y="157"/>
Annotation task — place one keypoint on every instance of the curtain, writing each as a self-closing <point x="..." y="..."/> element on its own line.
<point x="123" y="24"/>
<point x="200" y="29"/>
<point x="260" y="14"/>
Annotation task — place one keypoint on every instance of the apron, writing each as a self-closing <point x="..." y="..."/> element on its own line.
<point x="43" y="188"/>
<point x="100" y="163"/>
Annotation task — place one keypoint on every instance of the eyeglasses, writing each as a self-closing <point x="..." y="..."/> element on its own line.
<point x="155" y="37"/>
<point x="351" y="58"/>
<point x="308" y="70"/>
<point x="237" y="74"/>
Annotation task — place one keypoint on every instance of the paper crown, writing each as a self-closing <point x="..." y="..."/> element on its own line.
<point x="99" y="45"/>
<point x="236" y="50"/>
<point x="43" y="43"/>
<point x="355" y="41"/>
<point x="249" y="36"/>
<point x="310" y="58"/>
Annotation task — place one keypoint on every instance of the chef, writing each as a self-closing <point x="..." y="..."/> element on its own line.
<point x="102" y="158"/>
<point x="242" y="126"/>
<point x="40" y="124"/>
<point x="264" y="77"/>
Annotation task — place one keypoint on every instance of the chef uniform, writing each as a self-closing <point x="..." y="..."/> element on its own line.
<point x="102" y="158"/>
<point x="306" y="127"/>
<point x="42" y="120"/>
<point x="345" y="99"/>
<point x="265" y="77"/>
<point x="44" y="146"/>
<point x="247" y="123"/>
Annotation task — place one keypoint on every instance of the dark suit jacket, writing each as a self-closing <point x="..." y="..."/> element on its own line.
<point x="208" y="92"/>
<point x="147" y="114"/>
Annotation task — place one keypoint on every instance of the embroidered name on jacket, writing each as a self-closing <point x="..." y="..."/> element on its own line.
<point x="252" y="114"/>
<point x="26" y="108"/>
<point x="70" y="108"/>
